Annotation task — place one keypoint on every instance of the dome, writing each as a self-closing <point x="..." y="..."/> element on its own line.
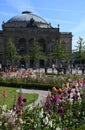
<point x="27" y="16"/>
<point x="25" y="20"/>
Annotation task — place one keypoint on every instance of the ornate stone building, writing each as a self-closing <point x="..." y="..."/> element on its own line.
<point x="26" y="26"/>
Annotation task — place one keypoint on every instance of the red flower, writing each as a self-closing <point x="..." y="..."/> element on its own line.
<point x="4" y="93"/>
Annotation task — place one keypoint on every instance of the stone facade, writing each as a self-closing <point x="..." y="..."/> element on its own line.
<point x="21" y="29"/>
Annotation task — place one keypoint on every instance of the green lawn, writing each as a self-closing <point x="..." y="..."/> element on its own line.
<point x="12" y="96"/>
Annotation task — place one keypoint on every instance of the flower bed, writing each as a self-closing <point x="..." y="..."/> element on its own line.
<point x="64" y="109"/>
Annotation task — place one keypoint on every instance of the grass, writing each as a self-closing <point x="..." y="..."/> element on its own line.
<point x="12" y="95"/>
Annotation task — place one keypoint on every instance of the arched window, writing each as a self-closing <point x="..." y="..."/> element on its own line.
<point x="42" y="45"/>
<point x="22" y="46"/>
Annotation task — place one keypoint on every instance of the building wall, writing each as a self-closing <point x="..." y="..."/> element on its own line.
<point x="48" y="35"/>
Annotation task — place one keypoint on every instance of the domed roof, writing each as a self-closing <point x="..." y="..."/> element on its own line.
<point x="27" y="16"/>
<point x="25" y="20"/>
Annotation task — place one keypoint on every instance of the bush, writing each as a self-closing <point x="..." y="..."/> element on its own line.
<point x="27" y="85"/>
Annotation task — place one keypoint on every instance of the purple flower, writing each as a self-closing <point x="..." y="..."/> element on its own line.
<point x="64" y="91"/>
<point x="76" y="91"/>
<point x="61" y="111"/>
<point x="69" y="91"/>
<point x="47" y="104"/>
<point x="73" y="86"/>
<point x="83" y="85"/>
<point x="56" y="99"/>
<point x="68" y="96"/>
<point x="81" y="95"/>
<point x="75" y="97"/>
<point x="24" y="100"/>
<point x="20" y="100"/>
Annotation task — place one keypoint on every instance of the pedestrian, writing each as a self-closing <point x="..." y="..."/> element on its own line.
<point x="82" y="69"/>
<point x="64" y="70"/>
<point x="53" y="67"/>
<point x="45" y="70"/>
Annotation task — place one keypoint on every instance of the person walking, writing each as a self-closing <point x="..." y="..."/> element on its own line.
<point x="53" y="67"/>
<point x="83" y="69"/>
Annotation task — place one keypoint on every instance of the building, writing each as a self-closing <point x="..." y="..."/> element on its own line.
<point x="22" y="29"/>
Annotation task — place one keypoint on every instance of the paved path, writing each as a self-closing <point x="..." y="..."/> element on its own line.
<point x="42" y="96"/>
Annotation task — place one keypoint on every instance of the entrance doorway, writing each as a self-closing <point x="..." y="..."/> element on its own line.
<point x="41" y="63"/>
<point x="22" y="63"/>
<point x="31" y="63"/>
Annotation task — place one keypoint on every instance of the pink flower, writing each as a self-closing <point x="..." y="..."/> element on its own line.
<point x="21" y="121"/>
<point x="20" y="113"/>
<point x="83" y="85"/>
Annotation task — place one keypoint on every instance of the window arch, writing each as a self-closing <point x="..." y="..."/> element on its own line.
<point x="22" y="46"/>
<point x="42" y="45"/>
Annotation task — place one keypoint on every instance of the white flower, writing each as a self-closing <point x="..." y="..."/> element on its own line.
<point x="45" y="120"/>
<point x="10" y="111"/>
<point x="0" y="123"/>
<point x="58" y="128"/>
<point x="21" y="121"/>
<point x="41" y="113"/>
<point x="5" y="124"/>
<point x="50" y="123"/>
<point x="4" y="107"/>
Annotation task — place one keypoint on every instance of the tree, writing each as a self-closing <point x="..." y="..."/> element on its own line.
<point x="11" y="51"/>
<point x="80" y="51"/>
<point x="35" y="51"/>
<point x="58" y="51"/>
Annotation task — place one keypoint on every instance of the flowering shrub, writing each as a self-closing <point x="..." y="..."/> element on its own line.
<point x="64" y="109"/>
<point x="26" y="76"/>
<point x="9" y="120"/>
<point x="12" y="119"/>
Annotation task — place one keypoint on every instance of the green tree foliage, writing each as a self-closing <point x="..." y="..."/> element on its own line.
<point x="11" y="51"/>
<point x="34" y="51"/>
<point x="80" y="50"/>
<point x="58" y="50"/>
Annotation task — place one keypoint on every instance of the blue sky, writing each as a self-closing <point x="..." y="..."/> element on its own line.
<point x="69" y="14"/>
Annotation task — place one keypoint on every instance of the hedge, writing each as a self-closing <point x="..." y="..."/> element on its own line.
<point x="27" y="85"/>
